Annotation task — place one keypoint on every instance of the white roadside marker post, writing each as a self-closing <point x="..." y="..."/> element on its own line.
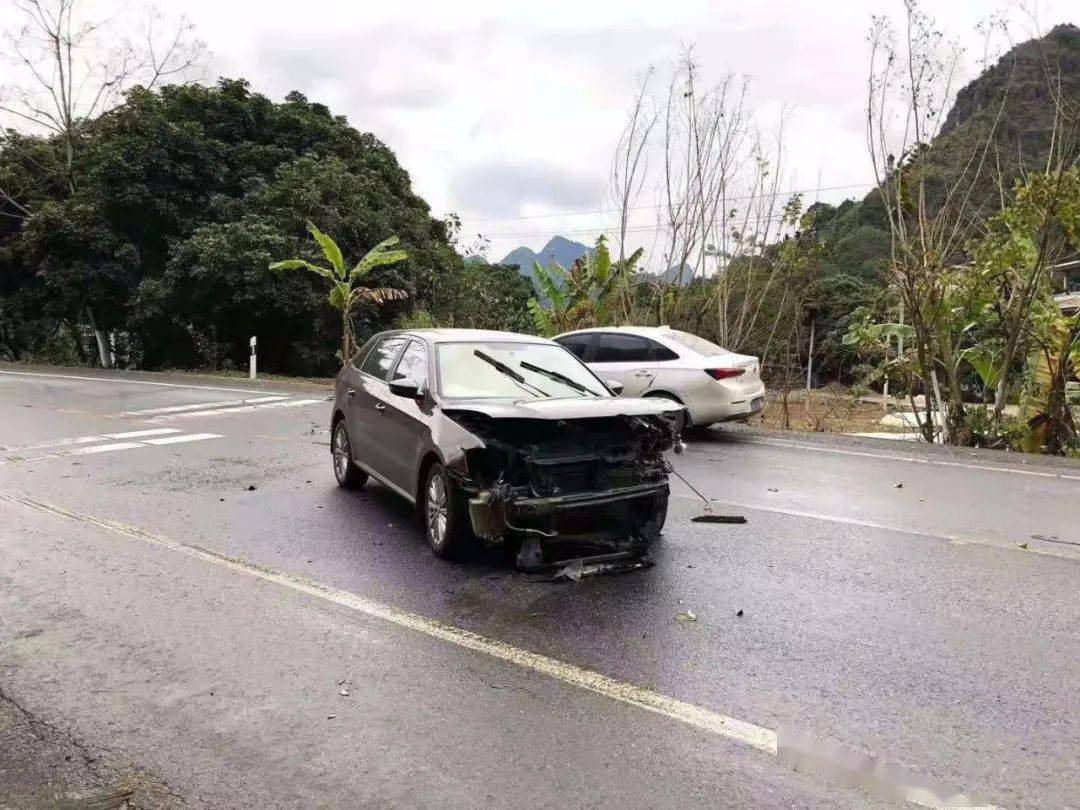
<point x="251" y="361"/>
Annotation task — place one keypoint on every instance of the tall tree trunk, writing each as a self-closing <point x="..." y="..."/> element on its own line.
<point x="104" y="353"/>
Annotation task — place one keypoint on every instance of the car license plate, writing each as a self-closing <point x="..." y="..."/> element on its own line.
<point x="756" y="404"/>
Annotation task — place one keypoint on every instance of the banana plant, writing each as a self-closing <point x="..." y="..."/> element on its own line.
<point x="347" y="290"/>
<point x="584" y="295"/>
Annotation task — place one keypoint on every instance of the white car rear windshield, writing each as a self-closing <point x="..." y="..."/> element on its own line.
<point x="695" y="343"/>
<point x="513" y="371"/>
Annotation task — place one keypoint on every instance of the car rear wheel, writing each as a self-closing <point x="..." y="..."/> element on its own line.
<point x="442" y="514"/>
<point x="348" y="475"/>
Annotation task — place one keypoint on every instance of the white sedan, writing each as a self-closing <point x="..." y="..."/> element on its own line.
<point x="714" y="385"/>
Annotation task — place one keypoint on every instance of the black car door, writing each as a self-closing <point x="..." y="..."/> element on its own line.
<point x="367" y="397"/>
<point x="405" y="421"/>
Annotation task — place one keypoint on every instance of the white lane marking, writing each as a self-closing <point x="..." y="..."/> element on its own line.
<point x="758" y="737"/>
<point x="184" y="437"/>
<point x="129" y="382"/>
<point x="135" y="434"/>
<point x="145" y="438"/>
<point x="908" y="459"/>
<point x="104" y="448"/>
<point x="62" y="443"/>
<point x="869" y="524"/>
<point x="90" y="439"/>
<point x="200" y="405"/>
<point x="292" y="403"/>
<point x="763" y="739"/>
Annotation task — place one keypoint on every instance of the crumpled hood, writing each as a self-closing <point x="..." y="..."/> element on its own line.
<point x="575" y="408"/>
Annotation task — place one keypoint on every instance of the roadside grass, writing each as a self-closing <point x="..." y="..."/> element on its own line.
<point x="831" y="409"/>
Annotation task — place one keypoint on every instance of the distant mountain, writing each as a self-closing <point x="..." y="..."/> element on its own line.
<point x="558" y="249"/>
<point x="475" y="258"/>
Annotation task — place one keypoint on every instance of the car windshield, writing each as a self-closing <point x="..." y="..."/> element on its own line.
<point x="695" y="343"/>
<point x="513" y="370"/>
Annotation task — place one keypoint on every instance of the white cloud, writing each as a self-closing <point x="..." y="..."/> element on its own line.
<point x="502" y="110"/>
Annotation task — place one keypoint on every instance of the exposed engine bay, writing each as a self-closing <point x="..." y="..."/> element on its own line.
<point x="552" y="489"/>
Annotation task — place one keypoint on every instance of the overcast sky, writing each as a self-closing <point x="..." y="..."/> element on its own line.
<point x="507" y="112"/>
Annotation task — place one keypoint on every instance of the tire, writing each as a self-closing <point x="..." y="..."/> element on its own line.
<point x="683" y="422"/>
<point x="443" y="514"/>
<point x="348" y="475"/>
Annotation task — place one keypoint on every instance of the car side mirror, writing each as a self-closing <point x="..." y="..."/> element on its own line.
<point x="407" y="389"/>
<point x="615" y="386"/>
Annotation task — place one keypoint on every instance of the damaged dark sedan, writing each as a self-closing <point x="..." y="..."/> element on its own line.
<point x="504" y="439"/>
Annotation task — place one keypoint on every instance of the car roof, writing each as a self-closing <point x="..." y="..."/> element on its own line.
<point x="468" y="335"/>
<point x="645" y="331"/>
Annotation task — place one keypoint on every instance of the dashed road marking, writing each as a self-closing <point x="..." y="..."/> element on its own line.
<point x="198" y="406"/>
<point x="752" y="735"/>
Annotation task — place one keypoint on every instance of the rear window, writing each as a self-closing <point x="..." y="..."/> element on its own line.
<point x="695" y="343"/>
<point x="617" y="348"/>
<point x="578" y="345"/>
<point x="381" y="358"/>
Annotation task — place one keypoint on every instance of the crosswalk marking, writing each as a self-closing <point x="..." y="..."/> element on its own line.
<point x="92" y="445"/>
<point x="291" y="403"/>
<point x="203" y="405"/>
<point x="101" y="437"/>
<point x="183" y="437"/>
<point x="104" y="448"/>
<point x="136" y="434"/>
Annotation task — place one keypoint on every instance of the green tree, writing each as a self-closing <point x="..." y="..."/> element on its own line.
<point x="347" y="290"/>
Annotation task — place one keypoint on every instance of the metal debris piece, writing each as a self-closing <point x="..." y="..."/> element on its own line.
<point x="710" y="518"/>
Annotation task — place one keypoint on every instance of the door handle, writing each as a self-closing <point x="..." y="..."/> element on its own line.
<point x="380" y="407"/>
<point x="351" y="392"/>
<point x="643" y="373"/>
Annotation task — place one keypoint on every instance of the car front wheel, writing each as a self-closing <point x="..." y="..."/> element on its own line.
<point x="442" y="514"/>
<point x="348" y="475"/>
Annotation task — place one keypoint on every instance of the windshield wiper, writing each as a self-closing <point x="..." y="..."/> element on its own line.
<point x="558" y="377"/>
<point x="502" y="368"/>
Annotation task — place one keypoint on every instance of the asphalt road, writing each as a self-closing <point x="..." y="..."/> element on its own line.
<point x="185" y="594"/>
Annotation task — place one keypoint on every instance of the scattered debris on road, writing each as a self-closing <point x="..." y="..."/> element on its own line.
<point x="252" y="487"/>
<point x="900" y="485"/>
<point x="688" y="616"/>
<point x="739" y="612"/>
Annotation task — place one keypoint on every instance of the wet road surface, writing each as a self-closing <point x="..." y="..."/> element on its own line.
<point x="905" y="621"/>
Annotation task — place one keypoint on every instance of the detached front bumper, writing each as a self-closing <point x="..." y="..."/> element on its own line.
<point x="632" y="516"/>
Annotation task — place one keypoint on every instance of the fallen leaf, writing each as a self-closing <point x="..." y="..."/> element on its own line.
<point x="688" y="616"/>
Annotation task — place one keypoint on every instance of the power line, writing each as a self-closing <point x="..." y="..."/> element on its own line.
<point x="613" y="228"/>
<point x="655" y="207"/>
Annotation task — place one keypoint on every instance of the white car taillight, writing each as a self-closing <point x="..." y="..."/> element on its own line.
<point x="724" y="373"/>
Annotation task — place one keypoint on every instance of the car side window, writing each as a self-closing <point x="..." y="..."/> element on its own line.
<point x="382" y="357"/>
<point x="661" y="352"/>
<point x="412" y="367"/>
<point x="578" y="345"/>
<point x="618" y="348"/>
